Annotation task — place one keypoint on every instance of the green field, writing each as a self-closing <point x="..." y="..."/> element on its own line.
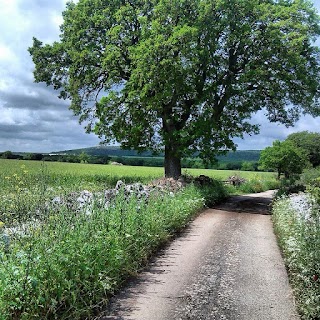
<point x="26" y="185"/>
<point x="78" y="176"/>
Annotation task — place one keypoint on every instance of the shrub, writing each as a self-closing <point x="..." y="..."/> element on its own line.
<point x="311" y="177"/>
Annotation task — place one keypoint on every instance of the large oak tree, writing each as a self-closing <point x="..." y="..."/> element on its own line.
<point x="183" y="76"/>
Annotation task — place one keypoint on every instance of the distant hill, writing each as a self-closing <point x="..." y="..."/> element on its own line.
<point x="112" y="151"/>
<point x="116" y="151"/>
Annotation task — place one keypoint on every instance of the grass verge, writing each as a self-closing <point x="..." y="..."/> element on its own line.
<point x="299" y="238"/>
<point x="69" y="265"/>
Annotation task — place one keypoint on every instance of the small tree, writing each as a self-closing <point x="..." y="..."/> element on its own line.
<point x="310" y="143"/>
<point x="84" y="157"/>
<point x="248" y="166"/>
<point x="183" y="76"/>
<point x="284" y="158"/>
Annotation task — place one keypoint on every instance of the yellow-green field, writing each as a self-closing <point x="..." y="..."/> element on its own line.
<point x="96" y="177"/>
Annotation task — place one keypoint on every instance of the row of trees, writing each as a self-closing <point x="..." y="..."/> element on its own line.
<point x="80" y="158"/>
<point x="299" y="151"/>
<point x="132" y="161"/>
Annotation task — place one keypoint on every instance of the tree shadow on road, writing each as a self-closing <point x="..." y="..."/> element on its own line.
<point x="254" y="204"/>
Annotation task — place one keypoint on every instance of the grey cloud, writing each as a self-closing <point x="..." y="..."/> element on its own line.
<point x="44" y="137"/>
<point x="32" y="98"/>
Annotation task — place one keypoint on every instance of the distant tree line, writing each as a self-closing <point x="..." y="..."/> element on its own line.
<point x="83" y="157"/>
<point x="196" y="163"/>
<point x="80" y="158"/>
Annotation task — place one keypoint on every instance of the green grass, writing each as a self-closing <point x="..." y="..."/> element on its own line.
<point x="97" y="177"/>
<point x="25" y="184"/>
<point x="77" y="175"/>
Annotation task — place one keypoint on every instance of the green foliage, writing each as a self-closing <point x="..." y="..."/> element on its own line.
<point x="116" y="151"/>
<point x="284" y="157"/>
<point x="213" y="193"/>
<point x="311" y="177"/>
<point x="33" y="156"/>
<point x="183" y="76"/>
<point x="289" y="186"/>
<point x="310" y="143"/>
<point x="248" y="166"/>
<point x="84" y="157"/>
<point x="9" y="155"/>
<point x="299" y="238"/>
<point x="254" y="183"/>
<point x="61" y="263"/>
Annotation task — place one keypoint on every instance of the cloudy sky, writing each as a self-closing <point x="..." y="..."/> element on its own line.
<point x="32" y="118"/>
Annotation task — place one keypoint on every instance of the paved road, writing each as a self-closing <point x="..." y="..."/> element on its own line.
<point x="225" y="266"/>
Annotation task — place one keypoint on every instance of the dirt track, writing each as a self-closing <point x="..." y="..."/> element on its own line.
<point x="226" y="265"/>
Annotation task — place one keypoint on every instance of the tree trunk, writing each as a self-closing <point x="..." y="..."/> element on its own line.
<point x="172" y="164"/>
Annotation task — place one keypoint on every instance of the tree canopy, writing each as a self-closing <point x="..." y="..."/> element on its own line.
<point x="310" y="143"/>
<point x="284" y="158"/>
<point x="183" y="76"/>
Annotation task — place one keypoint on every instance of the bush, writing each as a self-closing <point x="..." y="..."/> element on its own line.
<point x="213" y="193"/>
<point x="290" y="186"/>
<point x="311" y="177"/>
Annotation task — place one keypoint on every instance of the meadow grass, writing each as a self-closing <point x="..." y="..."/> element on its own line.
<point x="26" y="185"/>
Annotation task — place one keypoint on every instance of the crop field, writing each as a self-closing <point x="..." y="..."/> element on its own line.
<point x="78" y="176"/>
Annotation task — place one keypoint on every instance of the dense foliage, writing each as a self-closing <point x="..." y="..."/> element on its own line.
<point x="67" y="266"/>
<point x="62" y="261"/>
<point x="310" y="143"/>
<point x="183" y="76"/>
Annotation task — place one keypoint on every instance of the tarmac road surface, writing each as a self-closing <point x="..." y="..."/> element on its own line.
<point x="225" y="266"/>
